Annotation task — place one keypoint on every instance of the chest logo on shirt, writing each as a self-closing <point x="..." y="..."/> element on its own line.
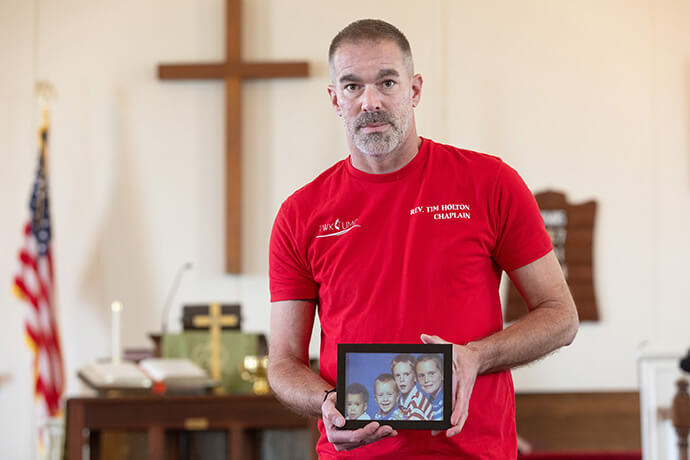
<point x="337" y="227"/>
<point x="448" y="211"/>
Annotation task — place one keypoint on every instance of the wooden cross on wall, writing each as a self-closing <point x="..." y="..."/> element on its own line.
<point x="233" y="71"/>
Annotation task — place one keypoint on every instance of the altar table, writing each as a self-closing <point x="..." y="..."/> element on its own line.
<point x="236" y="414"/>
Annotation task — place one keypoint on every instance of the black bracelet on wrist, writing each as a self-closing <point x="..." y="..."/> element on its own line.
<point x="327" y="393"/>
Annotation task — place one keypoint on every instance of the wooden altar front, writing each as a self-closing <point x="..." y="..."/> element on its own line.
<point x="238" y="415"/>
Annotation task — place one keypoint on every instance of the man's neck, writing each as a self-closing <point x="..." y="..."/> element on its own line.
<point x="388" y="163"/>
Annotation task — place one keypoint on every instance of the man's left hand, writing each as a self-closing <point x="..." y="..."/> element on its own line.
<point x="466" y="363"/>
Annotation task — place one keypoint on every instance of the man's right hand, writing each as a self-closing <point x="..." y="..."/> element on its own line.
<point x="350" y="439"/>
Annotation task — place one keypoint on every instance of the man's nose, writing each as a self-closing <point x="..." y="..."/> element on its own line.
<point x="371" y="99"/>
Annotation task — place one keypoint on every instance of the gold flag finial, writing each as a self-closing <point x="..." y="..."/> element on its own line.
<point x="45" y="92"/>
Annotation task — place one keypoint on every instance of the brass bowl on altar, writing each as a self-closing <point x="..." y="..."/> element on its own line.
<point x="253" y="369"/>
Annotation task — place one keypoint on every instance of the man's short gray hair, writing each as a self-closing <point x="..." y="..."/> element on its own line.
<point x="373" y="30"/>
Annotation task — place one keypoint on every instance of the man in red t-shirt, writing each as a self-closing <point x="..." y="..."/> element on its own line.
<point x="403" y="241"/>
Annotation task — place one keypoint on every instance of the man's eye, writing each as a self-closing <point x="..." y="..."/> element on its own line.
<point x="388" y="84"/>
<point x="351" y="87"/>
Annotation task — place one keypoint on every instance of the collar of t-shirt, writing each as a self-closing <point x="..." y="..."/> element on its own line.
<point x="413" y="166"/>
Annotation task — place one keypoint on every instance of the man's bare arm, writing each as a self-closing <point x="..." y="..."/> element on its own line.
<point x="301" y="389"/>
<point x="551" y="323"/>
<point x="289" y="374"/>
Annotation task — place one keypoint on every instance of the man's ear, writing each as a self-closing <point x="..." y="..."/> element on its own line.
<point x="417" y="82"/>
<point x="334" y="100"/>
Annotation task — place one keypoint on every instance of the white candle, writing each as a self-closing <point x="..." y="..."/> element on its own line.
<point x="116" y="308"/>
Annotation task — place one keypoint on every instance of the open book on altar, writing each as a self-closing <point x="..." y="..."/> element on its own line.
<point x="122" y="375"/>
<point x="176" y="373"/>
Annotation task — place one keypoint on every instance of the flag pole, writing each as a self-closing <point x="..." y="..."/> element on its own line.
<point x="34" y="285"/>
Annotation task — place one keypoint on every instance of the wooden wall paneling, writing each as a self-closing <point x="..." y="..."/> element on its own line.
<point x="597" y="421"/>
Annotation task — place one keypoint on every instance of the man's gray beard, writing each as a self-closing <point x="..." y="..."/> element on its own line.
<point x="376" y="144"/>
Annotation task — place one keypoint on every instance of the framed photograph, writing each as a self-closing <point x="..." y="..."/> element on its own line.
<point x="406" y="386"/>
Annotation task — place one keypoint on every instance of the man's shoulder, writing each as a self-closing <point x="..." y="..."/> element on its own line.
<point x="320" y="186"/>
<point x="329" y="178"/>
<point x="466" y="157"/>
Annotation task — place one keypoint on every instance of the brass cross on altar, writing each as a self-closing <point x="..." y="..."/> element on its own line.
<point x="233" y="71"/>
<point x="215" y="321"/>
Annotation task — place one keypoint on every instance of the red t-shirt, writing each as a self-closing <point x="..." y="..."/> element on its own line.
<point x="388" y="257"/>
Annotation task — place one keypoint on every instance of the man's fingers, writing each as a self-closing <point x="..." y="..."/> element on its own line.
<point x="355" y="436"/>
<point x="331" y="415"/>
<point x="456" y="429"/>
<point x="335" y="418"/>
<point x="373" y="432"/>
<point x="461" y="400"/>
<point x="391" y="432"/>
<point x="458" y="412"/>
<point x="348" y="440"/>
<point x="367" y="430"/>
<point x="458" y="416"/>
<point x="426" y="338"/>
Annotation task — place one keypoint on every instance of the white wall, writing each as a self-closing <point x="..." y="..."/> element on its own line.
<point x="590" y="97"/>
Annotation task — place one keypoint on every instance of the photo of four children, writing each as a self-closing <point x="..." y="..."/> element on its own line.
<point x="389" y="386"/>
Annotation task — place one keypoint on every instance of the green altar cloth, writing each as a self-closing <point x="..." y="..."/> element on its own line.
<point x="195" y="345"/>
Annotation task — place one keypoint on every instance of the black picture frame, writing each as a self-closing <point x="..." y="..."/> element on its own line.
<point x="353" y="365"/>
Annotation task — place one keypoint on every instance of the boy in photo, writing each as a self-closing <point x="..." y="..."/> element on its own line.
<point x="386" y="396"/>
<point x="412" y="403"/>
<point x="356" y="402"/>
<point x="430" y="377"/>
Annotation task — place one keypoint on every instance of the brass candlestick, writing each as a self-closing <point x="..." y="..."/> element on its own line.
<point x="253" y="369"/>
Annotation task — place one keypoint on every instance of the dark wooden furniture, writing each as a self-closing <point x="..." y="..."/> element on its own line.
<point x="239" y="415"/>
<point x="680" y="415"/>
<point x="577" y="422"/>
<point x="571" y="228"/>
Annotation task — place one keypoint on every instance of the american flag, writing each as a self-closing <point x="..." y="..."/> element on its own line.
<point x="34" y="285"/>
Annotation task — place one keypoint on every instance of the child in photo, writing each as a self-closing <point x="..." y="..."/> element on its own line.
<point x="430" y="378"/>
<point x="412" y="403"/>
<point x="356" y="402"/>
<point x="386" y="396"/>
